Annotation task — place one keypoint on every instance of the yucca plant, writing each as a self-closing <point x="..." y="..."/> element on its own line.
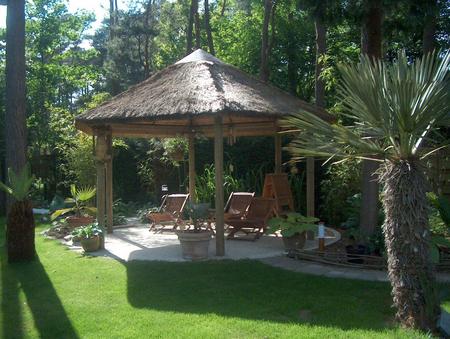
<point x="79" y="199"/>
<point x="20" y="221"/>
<point x="394" y="110"/>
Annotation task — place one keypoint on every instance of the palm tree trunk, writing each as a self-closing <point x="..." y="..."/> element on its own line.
<point x="20" y="232"/>
<point x="407" y="238"/>
<point x="190" y="28"/>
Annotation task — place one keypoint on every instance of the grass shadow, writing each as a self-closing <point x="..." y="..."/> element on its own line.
<point x="252" y="290"/>
<point x="48" y="313"/>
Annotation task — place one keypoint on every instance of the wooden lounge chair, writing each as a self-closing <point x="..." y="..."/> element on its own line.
<point x="255" y="219"/>
<point x="169" y="213"/>
<point x="277" y="186"/>
<point x="237" y="205"/>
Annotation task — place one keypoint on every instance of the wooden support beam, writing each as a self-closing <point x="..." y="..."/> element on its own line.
<point x="109" y="184"/>
<point x="278" y="161"/>
<point x="218" y="164"/>
<point x="100" y="157"/>
<point x="191" y="145"/>
<point x="310" y="187"/>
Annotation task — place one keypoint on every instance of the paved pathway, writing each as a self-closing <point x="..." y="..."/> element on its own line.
<point x="332" y="271"/>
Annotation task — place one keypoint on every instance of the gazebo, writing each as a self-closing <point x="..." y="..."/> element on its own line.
<point x="198" y="95"/>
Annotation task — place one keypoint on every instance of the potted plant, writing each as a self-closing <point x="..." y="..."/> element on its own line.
<point x="82" y="213"/>
<point x="195" y="243"/>
<point x="293" y="228"/>
<point x="89" y="236"/>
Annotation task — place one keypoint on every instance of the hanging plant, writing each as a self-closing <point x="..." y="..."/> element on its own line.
<point x="175" y="148"/>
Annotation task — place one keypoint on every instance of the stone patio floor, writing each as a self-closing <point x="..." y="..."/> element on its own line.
<point x="137" y="243"/>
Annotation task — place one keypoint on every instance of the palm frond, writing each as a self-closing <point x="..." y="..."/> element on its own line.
<point x="393" y="110"/>
<point x="19" y="184"/>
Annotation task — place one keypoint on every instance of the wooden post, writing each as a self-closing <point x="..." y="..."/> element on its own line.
<point x="109" y="184"/>
<point x="191" y="143"/>
<point x="278" y="153"/>
<point x="100" y="156"/>
<point x="310" y="188"/>
<point x="218" y="164"/>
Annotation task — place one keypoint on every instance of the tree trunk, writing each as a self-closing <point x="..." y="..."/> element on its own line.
<point x="264" y="67"/>
<point x="115" y="85"/>
<point x="190" y="28"/>
<point x="15" y="117"/>
<point x="371" y="45"/>
<point x="429" y="29"/>
<point x="148" y="11"/>
<point x="198" y="42"/>
<point x="208" y="29"/>
<point x="321" y="49"/>
<point x="291" y="65"/>
<point x="20" y="232"/>
<point x="407" y="239"/>
<point x="224" y="5"/>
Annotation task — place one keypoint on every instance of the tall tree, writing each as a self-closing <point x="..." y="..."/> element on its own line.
<point x="20" y="222"/>
<point x="208" y="29"/>
<point x="113" y="21"/>
<point x="198" y="40"/>
<point x="371" y="43"/>
<point x="15" y="119"/>
<point x="430" y="8"/>
<point x="190" y="29"/>
<point x="265" y="46"/>
<point x="321" y="48"/>
<point x="148" y="14"/>
<point x="400" y="106"/>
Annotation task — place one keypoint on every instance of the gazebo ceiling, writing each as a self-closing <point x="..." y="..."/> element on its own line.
<point x="186" y="97"/>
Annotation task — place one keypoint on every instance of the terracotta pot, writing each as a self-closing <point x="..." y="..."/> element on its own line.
<point x="297" y="241"/>
<point x="74" y="221"/>
<point x="177" y="155"/>
<point x="194" y="245"/>
<point x="90" y="244"/>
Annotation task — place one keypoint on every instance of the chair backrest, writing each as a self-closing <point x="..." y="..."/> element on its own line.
<point x="238" y="202"/>
<point x="174" y="203"/>
<point x="261" y="208"/>
<point x="277" y="186"/>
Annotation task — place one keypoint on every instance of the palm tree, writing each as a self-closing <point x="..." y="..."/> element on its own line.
<point x="20" y="222"/>
<point x="395" y="111"/>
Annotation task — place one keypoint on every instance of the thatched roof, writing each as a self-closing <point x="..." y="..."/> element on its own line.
<point x="190" y="93"/>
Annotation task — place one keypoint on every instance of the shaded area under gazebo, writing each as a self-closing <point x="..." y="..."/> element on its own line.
<point x="198" y="96"/>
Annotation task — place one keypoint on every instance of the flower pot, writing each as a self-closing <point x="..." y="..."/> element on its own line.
<point x="194" y="245"/>
<point x="177" y="155"/>
<point x="90" y="244"/>
<point x="297" y="241"/>
<point x="74" y="221"/>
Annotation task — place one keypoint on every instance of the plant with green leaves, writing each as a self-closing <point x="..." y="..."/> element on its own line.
<point x="79" y="199"/>
<point x="87" y="232"/>
<point x="394" y="110"/>
<point x="291" y="224"/>
<point x="20" y="222"/>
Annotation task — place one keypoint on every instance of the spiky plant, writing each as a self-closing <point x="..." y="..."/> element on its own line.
<point x="394" y="111"/>
<point x="80" y="196"/>
<point x="20" y="221"/>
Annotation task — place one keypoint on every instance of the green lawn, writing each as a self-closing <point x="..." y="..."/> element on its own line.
<point x="66" y="295"/>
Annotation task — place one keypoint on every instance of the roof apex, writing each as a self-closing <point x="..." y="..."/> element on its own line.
<point x="199" y="55"/>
